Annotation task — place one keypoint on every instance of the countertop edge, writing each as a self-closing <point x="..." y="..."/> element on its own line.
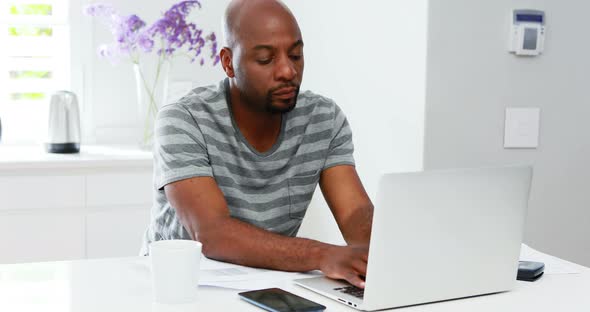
<point x="90" y="157"/>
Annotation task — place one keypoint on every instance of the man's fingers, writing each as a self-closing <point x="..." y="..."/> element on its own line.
<point x="365" y="257"/>
<point x="363" y="252"/>
<point x="360" y="266"/>
<point x="355" y="279"/>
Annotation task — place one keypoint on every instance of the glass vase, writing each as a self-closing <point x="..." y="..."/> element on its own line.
<point x="152" y="91"/>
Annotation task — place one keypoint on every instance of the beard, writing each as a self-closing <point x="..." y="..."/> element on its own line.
<point x="285" y="106"/>
<point x="267" y="104"/>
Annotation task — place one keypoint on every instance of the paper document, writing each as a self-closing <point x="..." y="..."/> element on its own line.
<point x="230" y="274"/>
<point x="553" y="265"/>
<point x="227" y="275"/>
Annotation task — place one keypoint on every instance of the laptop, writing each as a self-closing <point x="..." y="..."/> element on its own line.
<point x="439" y="235"/>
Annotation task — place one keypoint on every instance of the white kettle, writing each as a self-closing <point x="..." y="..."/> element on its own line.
<point x="63" y="131"/>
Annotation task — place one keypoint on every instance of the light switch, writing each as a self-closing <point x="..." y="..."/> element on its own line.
<point x="521" y="128"/>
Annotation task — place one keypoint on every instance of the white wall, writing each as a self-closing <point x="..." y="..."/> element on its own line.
<point x="472" y="79"/>
<point x="372" y="63"/>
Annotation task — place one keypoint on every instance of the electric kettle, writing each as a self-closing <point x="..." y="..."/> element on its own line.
<point x="63" y="131"/>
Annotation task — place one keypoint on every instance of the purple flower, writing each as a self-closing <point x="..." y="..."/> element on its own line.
<point x="145" y="43"/>
<point x="133" y="23"/>
<point x="105" y="50"/>
<point x="110" y="52"/>
<point x="177" y="33"/>
<point x="131" y="34"/>
<point x="128" y="31"/>
<point x="173" y="27"/>
<point x="99" y="9"/>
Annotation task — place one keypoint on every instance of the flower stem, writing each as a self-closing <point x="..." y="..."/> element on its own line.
<point x="151" y="109"/>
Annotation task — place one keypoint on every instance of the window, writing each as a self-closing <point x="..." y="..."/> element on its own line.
<point x="34" y="62"/>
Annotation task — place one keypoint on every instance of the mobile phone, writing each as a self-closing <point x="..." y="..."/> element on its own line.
<point x="530" y="271"/>
<point x="278" y="300"/>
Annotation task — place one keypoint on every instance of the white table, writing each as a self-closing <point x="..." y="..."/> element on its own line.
<point x="123" y="284"/>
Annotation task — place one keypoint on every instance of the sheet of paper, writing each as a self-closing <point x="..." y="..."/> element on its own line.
<point x="553" y="265"/>
<point x="227" y="275"/>
<point x="248" y="285"/>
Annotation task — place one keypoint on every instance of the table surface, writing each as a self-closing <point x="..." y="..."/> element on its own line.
<point x="124" y="284"/>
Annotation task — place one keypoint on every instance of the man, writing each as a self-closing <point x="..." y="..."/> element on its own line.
<point x="236" y="165"/>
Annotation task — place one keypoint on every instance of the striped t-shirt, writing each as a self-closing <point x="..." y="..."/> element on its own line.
<point x="198" y="137"/>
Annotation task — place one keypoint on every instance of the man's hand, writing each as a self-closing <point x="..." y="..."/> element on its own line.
<point x="353" y="210"/>
<point x="346" y="262"/>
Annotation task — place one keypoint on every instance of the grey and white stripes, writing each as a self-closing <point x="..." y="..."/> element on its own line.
<point x="197" y="136"/>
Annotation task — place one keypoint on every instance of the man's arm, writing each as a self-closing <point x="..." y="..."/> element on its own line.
<point x="349" y="202"/>
<point x="201" y="207"/>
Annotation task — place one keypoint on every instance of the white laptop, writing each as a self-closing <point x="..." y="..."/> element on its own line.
<point x="439" y="235"/>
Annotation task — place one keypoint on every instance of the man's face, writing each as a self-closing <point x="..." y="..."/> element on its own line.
<point x="269" y="63"/>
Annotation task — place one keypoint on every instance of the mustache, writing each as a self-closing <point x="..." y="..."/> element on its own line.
<point x="286" y="85"/>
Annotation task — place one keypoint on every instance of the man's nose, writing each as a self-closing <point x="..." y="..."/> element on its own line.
<point x="285" y="69"/>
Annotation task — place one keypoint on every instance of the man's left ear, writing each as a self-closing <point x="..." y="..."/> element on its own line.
<point x="226" y="61"/>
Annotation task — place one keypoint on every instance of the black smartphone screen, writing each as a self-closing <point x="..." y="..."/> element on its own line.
<point x="276" y="299"/>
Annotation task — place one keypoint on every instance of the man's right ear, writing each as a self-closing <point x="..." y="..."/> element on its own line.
<point x="226" y="61"/>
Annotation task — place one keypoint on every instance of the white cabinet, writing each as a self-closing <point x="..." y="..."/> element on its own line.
<point x="130" y="187"/>
<point x="116" y="233"/>
<point x="29" y="237"/>
<point x="18" y="190"/>
<point x="116" y="222"/>
<point x="94" y="204"/>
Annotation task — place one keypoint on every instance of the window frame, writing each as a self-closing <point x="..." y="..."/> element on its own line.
<point x="77" y="63"/>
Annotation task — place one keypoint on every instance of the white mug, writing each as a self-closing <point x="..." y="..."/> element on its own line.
<point x="175" y="270"/>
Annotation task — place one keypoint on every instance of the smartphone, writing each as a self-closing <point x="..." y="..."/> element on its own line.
<point x="278" y="300"/>
<point x="530" y="271"/>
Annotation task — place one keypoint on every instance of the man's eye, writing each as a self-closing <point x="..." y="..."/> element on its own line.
<point x="296" y="57"/>
<point x="264" y="61"/>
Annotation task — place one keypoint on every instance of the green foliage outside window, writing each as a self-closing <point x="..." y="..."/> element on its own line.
<point x="30" y="31"/>
<point x="31" y="9"/>
<point x="30" y="96"/>
<point x="30" y="74"/>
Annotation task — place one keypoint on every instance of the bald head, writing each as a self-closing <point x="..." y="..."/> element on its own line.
<point x="262" y="55"/>
<point x="241" y="16"/>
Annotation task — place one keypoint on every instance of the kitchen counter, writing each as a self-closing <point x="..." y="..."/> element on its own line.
<point x="90" y="156"/>
<point x="71" y="206"/>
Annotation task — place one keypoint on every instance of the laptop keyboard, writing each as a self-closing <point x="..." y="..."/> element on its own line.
<point x="352" y="290"/>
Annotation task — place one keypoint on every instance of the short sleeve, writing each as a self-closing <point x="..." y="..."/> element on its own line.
<point x="341" y="148"/>
<point x="180" y="151"/>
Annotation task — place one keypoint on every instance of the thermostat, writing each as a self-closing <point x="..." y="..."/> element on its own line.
<point x="527" y="32"/>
